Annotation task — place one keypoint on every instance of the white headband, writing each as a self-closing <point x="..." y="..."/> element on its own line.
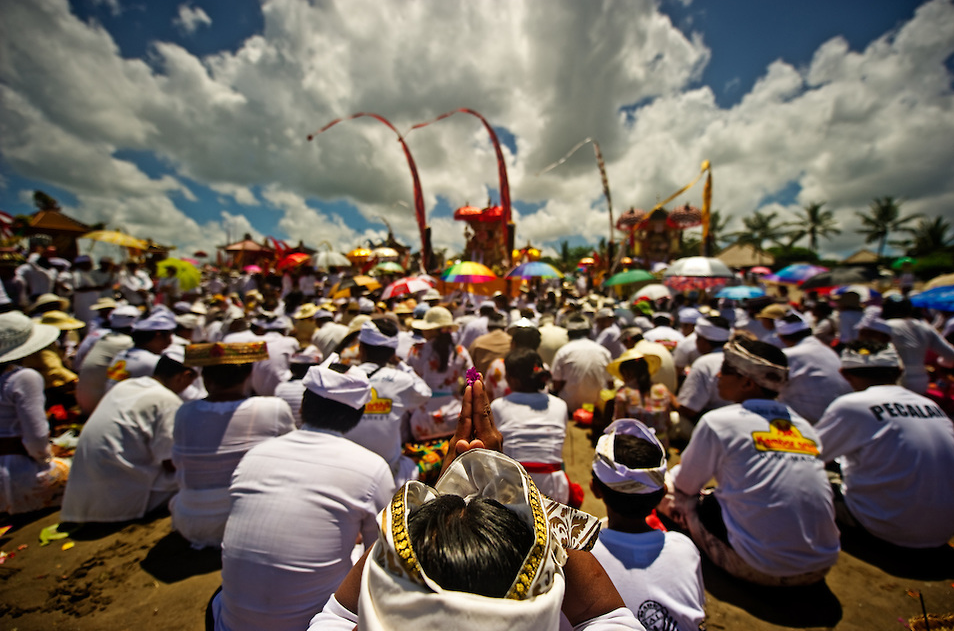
<point x="372" y="336"/>
<point x="350" y="387"/>
<point x="886" y="357"/>
<point x="619" y="477"/>
<point x="706" y="329"/>
<point x="783" y="327"/>
<point x="758" y="369"/>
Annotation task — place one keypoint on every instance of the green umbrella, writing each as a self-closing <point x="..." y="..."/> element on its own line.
<point x="898" y="264"/>
<point x="187" y="273"/>
<point x="628" y="277"/>
<point x="390" y="267"/>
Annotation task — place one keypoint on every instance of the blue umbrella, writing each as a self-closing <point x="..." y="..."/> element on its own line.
<point x="740" y="292"/>
<point x="534" y="269"/>
<point x="938" y="298"/>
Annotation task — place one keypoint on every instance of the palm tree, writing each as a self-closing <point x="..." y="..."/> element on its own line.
<point x="814" y="222"/>
<point x="883" y="219"/>
<point x="927" y="237"/>
<point x="759" y="228"/>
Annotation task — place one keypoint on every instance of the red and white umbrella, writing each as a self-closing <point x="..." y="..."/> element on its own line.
<point x="409" y="285"/>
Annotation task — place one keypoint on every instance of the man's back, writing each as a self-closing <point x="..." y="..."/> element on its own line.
<point x="92" y="374"/>
<point x="814" y="378"/>
<point x="299" y="503"/>
<point x="581" y="365"/>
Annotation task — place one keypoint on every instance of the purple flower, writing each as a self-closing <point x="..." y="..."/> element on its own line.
<point x="472" y="375"/>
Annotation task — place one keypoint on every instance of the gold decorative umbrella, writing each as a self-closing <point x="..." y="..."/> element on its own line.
<point x="116" y="238"/>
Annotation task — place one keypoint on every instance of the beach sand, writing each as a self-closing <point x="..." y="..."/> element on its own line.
<point x="142" y="576"/>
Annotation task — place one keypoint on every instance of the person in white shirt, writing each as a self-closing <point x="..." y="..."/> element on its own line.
<point x="135" y="284"/>
<point x="771" y="519"/>
<point x="663" y="332"/>
<point x="91" y="385"/>
<point x="686" y="350"/>
<point x="913" y="339"/>
<point x="211" y="435"/>
<point x="896" y="451"/>
<point x="318" y="493"/>
<point x="814" y="380"/>
<point x="267" y="374"/>
<point x="396" y="391"/>
<point x="328" y="333"/>
<point x="699" y="393"/>
<point x="608" y="332"/>
<point x="123" y="463"/>
<point x="658" y="573"/>
<point x="151" y="336"/>
<point x="579" y="367"/>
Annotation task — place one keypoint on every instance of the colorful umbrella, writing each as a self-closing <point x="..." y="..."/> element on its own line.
<point x="293" y="260"/>
<point x="252" y="269"/>
<point x="628" y="277"/>
<point x="651" y="293"/>
<point x="795" y="274"/>
<point x="116" y="238"/>
<point x="187" y="273"/>
<point x="938" y="298"/>
<point x="940" y="281"/>
<point x="389" y="267"/>
<point x="409" y="285"/>
<point x="760" y="270"/>
<point x="353" y="286"/>
<point x="901" y="262"/>
<point x="534" y="269"/>
<point x="359" y="254"/>
<point x="468" y="272"/>
<point x="839" y="276"/>
<point x="324" y="260"/>
<point x="740" y="292"/>
<point x="700" y="266"/>
<point x="690" y="283"/>
<point x="864" y="292"/>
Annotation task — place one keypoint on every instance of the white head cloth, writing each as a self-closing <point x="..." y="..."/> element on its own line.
<point x="396" y="592"/>
<point x="372" y="336"/>
<point x="885" y="357"/>
<point x="706" y="329"/>
<point x="758" y="369"/>
<point x="618" y="476"/>
<point x="783" y="327"/>
<point x="350" y="387"/>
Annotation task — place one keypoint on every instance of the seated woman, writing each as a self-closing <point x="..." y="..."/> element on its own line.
<point x="211" y="435"/>
<point x="483" y="549"/>
<point x="639" y="397"/>
<point x="533" y="423"/>
<point x="30" y="478"/>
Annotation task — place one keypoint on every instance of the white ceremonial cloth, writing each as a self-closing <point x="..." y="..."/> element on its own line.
<point x="913" y="339"/>
<point x="118" y="460"/>
<point x="775" y="497"/>
<point x="299" y="503"/>
<point x="394" y="394"/>
<point x="896" y="450"/>
<point x="268" y="373"/>
<point x="700" y="390"/>
<point x="328" y="336"/>
<point x="209" y="440"/>
<point x="658" y="574"/>
<point x="291" y="392"/>
<point x="92" y="374"/>
<point x="581" y="365"/>
<point x="686" y="352"/>
<point x="814" y="378"/>
<point x="533" y="425"/>
<point x="552" y="339"/>
<point x="665" y="335"/>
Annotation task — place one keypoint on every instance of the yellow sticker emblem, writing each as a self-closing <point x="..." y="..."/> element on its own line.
<point x="118" y="372"/>
<point x="378" y="406"/>
<point x="783" y="436"/>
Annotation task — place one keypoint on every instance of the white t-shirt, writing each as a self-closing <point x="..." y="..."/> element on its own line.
<point x="775" y="497"/>
<point x="700" y="390"/>
<point x="129" y="364"/>
<point x="896" y="450"/>
<point x="118" y="460"/>
<point x="299" y="503"/>
<point x="394" y="394"/>
<point x="267" y="374"/>
<point x="913" y="338"/>
<point x="92" y="375"/>
<point x="658" y="574"/>
<point x="665" y="335"/>
<point x="533" y="426"/>
<point x="581" y="365"/>
<point x="609" y="338"/>
<point x="814" y="378"/>
<point x="686" y="352"/>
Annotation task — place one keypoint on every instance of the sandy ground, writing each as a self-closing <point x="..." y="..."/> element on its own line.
<point x="142" y="576"/>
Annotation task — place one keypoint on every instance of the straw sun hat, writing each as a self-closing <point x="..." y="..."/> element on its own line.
<point x="435" y="318"/>
<point x="632" y="354"/>
<point x="20" y="336"/>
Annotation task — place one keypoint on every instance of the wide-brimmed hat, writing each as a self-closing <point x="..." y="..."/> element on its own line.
<point x="306" y="311"/>
<point x="773" y="312"/>
<point x="104" y="303"/>
<point x="61" y="320"/>
<point x="435" y="318"/>
<point x="48" y="299"/>
<point x="221" y="353"/>
<point x="431" y="294"/>
<point x="653" y="361"/>
<point x="20" y="336"/>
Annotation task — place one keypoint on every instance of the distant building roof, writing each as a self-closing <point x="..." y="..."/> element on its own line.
<point x="55" y="221"/>
<point x="861" y="256"/>
<point x="737" y="255"/>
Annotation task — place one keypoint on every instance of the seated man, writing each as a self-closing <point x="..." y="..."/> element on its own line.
<point x="317" y="492"/>
<point x="896" y="450"/>
<point x="123" y="463"/>
<point x="481" y="550"/>
<point x="658" y="574"/>
<point x="771" y="520"/>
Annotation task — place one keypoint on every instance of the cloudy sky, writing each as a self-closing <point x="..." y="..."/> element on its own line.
<point x="188" y="122"/>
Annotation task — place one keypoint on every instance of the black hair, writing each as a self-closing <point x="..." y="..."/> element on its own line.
<point x="166" y="368"/>
<point x="720" y="322"/>
<point x="324" y="413"/>
<point x="881" y="375"/>
<point x="141" y="338"/>
<point x="381" y="354"/>
<point x="225" y="376"/>
<point x="444" y="345"/>
<point x="525" y="366"/>
<point x="894" y="307"/>
<point x="639" y="369"/>
<point x="662" y="320"/>
<point x="496" y="320"/>
<point x="797" y="336"/>
<point x="526" y="337"/>
<point x="764" y="350"/>
<point x="477" y="547"/>
<point x="635" y="453"/>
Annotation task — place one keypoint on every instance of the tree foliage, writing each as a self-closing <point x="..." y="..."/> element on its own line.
<point x="813" y="222"/>
<point x="883" y="218"/>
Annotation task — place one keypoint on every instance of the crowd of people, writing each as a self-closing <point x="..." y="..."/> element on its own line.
<point x="372" y="464"/>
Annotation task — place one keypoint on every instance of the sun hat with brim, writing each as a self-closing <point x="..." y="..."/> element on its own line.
<point x="306" y="311"/>
<point x="220" y="353"/>
<point x="20" y="336"/>
<point x="435" y="318"/>
<point x="49" y="299"/>
<point x="653" y="361"/>
<point x="104" y="303"/>
<point x="61" y="320"/>
<point x="773" y="312"/>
